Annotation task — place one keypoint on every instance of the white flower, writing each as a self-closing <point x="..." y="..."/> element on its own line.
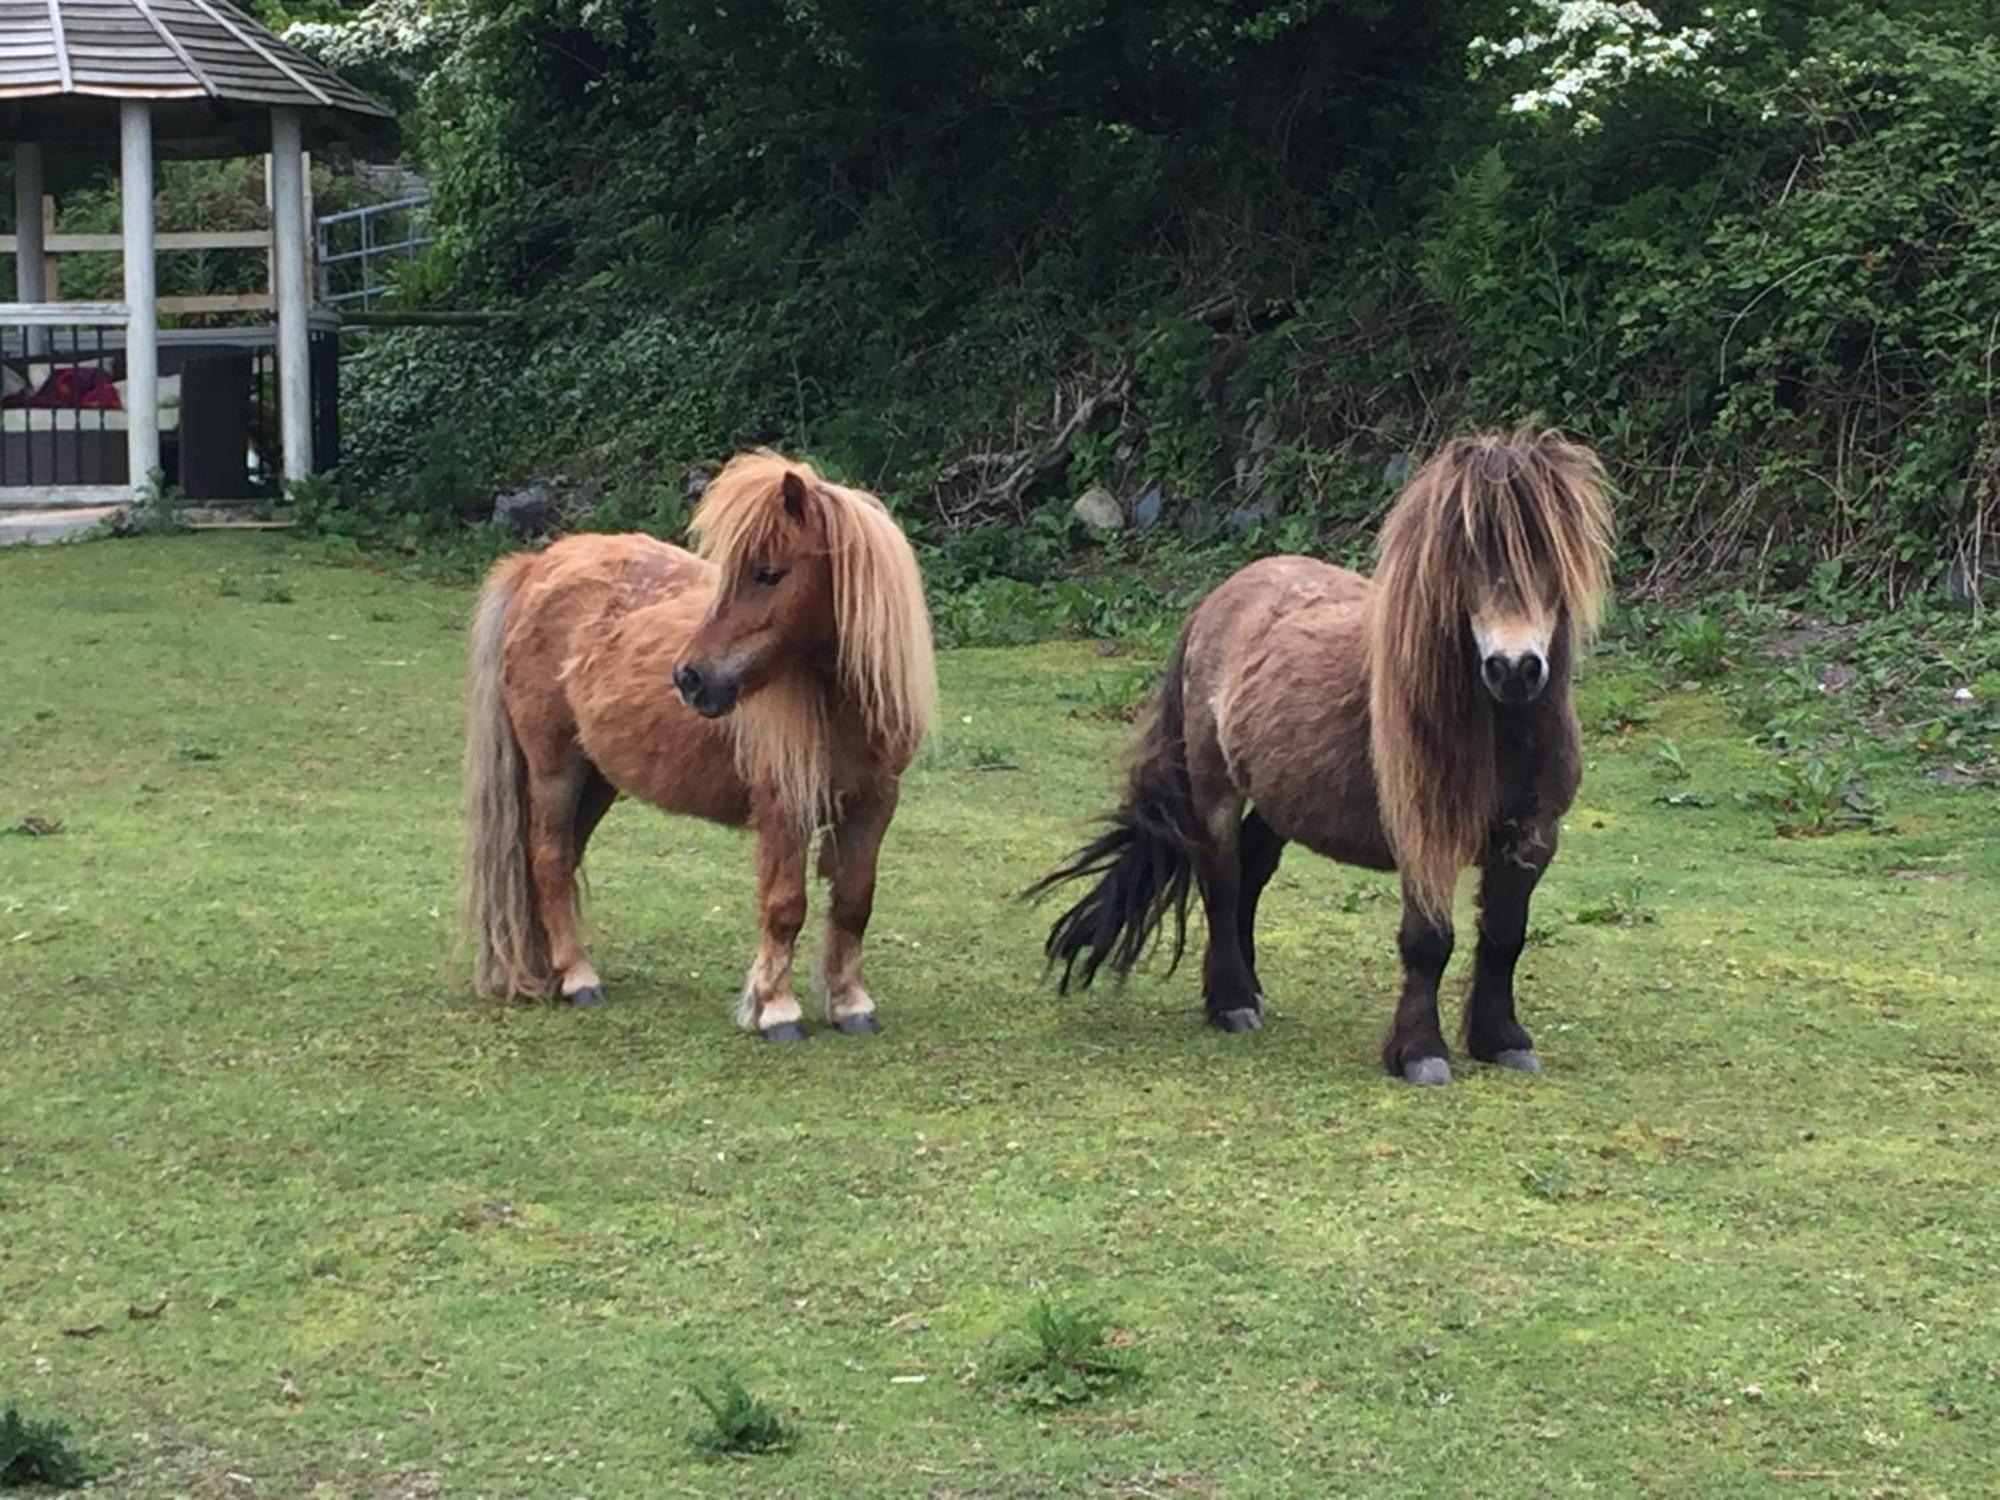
<point x="1589" y="48"/>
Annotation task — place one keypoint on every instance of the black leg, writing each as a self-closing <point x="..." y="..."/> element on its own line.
<point x="591" y="805"/>
<point x="1512" y="867"/>
<point x="1228" y="992"/>
<point x="1258" y="851"/>
<point x="1415" y="1050"/>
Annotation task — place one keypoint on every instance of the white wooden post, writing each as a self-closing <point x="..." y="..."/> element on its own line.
<point x="31" y="279"/>
<point x="288" y="249"/>
<point x="30" y="274"/>
<point x="142" y="333"/>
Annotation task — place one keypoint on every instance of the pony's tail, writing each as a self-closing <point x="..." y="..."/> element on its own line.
<point x="1143" y="862"/>
<point x="497" y="917"/>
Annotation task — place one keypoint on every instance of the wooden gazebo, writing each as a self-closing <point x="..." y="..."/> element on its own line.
<point x="132" y="80"/>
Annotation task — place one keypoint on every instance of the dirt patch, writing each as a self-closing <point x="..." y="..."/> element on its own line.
<point x="1786" y="647"/>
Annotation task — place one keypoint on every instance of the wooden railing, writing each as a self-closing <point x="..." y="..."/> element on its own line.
<point x="55" y="244"/>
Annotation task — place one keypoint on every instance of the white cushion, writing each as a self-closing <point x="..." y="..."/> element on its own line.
<point x="170" y="392"/>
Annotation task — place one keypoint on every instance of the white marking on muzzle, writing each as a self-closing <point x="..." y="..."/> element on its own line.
<point x="1511" y="638"/>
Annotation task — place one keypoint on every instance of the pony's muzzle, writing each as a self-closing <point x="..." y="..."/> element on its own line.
<point x="1515" y="679"/>
<point x="709" y="694"/>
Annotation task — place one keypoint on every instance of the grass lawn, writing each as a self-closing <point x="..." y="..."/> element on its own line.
<point x="1739" y="1240"/>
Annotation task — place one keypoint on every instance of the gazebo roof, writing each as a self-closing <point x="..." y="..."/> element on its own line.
<point x="212" y="72"/>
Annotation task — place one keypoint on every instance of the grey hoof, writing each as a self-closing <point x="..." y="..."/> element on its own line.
<point x="1427" y="1072"/>
<point x="863" y="1025"/>
<point x="1248" y="1018"/>
<point x="585" y="998"/>
<point x="784" y="1031"/>
<point x="1520" y="1059"/>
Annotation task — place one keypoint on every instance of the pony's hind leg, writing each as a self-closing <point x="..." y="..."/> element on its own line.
<point x="847" y="860"/>
<point x="1259" y="848"/>
<point x="1228" y="988"/>
<point x="555" y="848"/>
<point x="1513" y="866"/>
<point x="1414" y="1049"/>
<point x="768" y="1006"/>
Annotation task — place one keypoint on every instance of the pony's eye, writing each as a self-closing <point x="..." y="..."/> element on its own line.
<point x="769" y="576"/>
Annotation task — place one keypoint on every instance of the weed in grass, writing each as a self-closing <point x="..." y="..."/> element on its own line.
<point x="1071" y="1355"/>
<point x="1948" y="740"/>
<point x="1667" y="757"/>
<point x="157" y="509"/>
<point x="1684" y="799"/>
<point x="1617" y="706"/>
<point x="198" y="751"/>
<point x="1697" y="645"/>
<point x="1624" y="907"/>
<point x="1117" y="696"/>
<point x="1350" y="901"/>
<point x="1819" y="794"/>
<point x="37" y="1453"/>
<point x="274" y="591"/>
<point x="947" y="753"/>
<point x="739" y="1425"/>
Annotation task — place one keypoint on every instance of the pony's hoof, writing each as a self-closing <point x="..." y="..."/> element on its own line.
<point x="1520" y="1059"/>
<point x="585" y="998"/>
<point x="784" y="1031"/>
<point x="861" y="1025"/>
<point x="1249" y="1018"/>
<point x="1427" y="1072"/>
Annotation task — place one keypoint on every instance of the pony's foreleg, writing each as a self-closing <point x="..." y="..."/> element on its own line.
<point x="768" y="1005"/>
<point x="1414" y="1049"/>
<point x="1513" y="866"/>
<point x="554" y="850"/>
<point x="847" y="858"/>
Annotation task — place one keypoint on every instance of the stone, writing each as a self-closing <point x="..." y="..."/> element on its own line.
<point x="1253" y="464"/>
<point x="1146" y="509"/>
<point x="1099" y="509"/>
<point x="1397" y="469"/>
<point x="694" y="482"/>
<point x="530" y="509"/>
<point x="1245" y="519"/>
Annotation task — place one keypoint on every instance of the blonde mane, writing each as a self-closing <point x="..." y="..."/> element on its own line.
<point x="1531" y="504"/>
<point x="887" y="670"/>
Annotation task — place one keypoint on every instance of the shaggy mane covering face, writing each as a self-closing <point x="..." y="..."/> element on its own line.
<point x="887" y="667"/>
<point x="1527" y="509"/>
<point x="1419" y="721"/>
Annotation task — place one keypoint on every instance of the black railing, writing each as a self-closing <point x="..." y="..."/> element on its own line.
<point x="65" y="419"/>
<point x="61" y="415"/>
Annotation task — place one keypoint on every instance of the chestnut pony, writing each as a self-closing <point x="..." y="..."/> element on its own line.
<point x="782" y="680"/>
<point x="1421" y="722"/>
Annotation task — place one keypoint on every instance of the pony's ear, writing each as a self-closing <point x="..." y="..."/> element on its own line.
<point x="794" y="490"/>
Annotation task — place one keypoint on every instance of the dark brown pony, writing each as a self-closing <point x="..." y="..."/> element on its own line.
<point x="1421" y="722"/>
<point x="780" y="680"/>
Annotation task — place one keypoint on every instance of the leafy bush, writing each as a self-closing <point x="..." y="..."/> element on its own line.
<point x="928" y="241"/>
